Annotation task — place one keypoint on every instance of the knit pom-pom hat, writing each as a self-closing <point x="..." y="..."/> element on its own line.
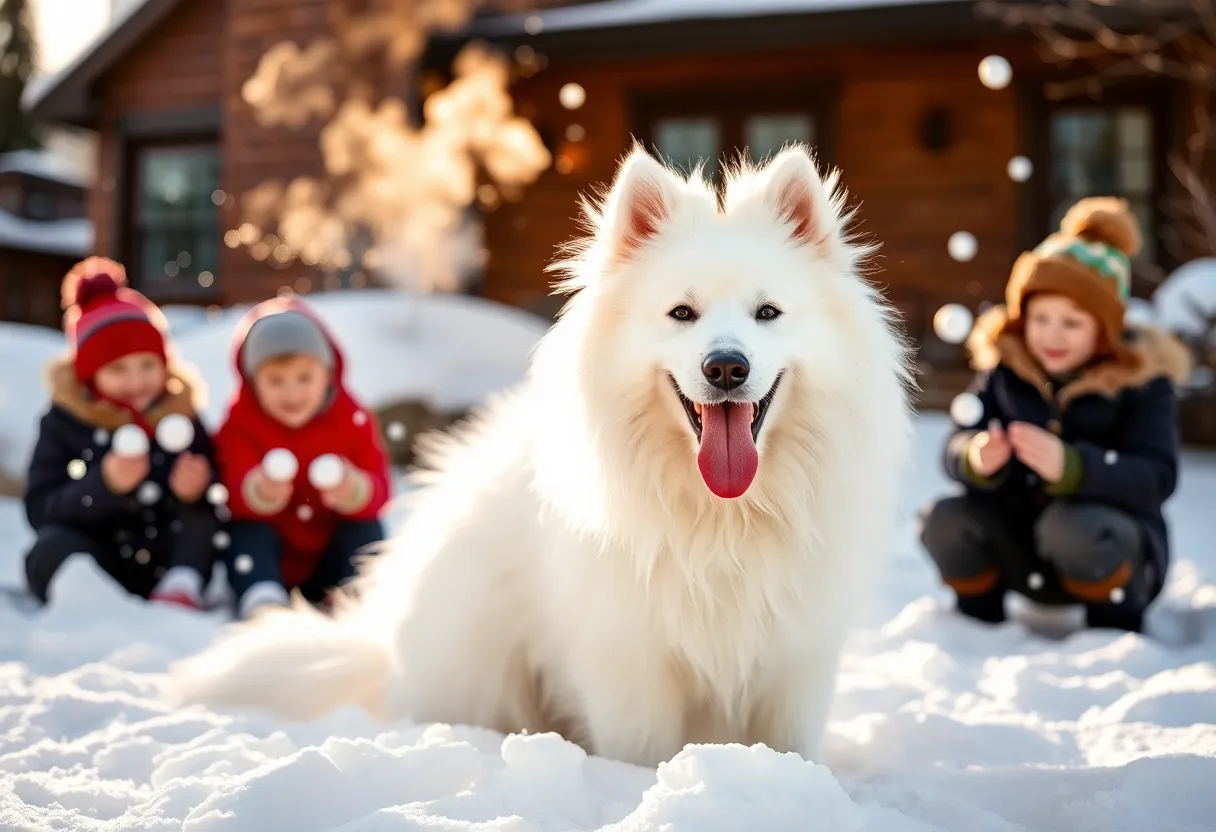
<point x="1087" y="260"/>
<point x="105" y="320"/>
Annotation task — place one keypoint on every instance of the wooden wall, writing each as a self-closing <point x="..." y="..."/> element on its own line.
<point x="29" y="286"/>
<point x="179" y="67"/>
<point x="911" y="200"/>
<point x="199" y="58"/>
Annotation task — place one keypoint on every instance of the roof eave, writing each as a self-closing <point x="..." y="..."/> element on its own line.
<point x="941" y="20"/>
<point x="69" y="97"/>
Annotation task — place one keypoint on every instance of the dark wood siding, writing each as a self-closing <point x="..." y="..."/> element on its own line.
<point x="911" y="199"/>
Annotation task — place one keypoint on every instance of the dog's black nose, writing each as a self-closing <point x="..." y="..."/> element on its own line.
<point x="725" y="370"/>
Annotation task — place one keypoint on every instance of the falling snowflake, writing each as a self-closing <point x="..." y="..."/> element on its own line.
<point x="221" y="540"/>
<point x="952" y="323"/>
<point x="304" y="513"/>
<point x="243" y="564"/>
<point x="149" y="493"/>
<point x="143" y="556"/>
<point x="217" y="494"/>
<point x="360" y="418"/>
<point x="962" y="246"/>
<point x="396" y="431"/>
<point x="77" y="469"/>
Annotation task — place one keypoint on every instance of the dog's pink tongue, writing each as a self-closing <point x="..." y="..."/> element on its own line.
<point x="728" y="458"/>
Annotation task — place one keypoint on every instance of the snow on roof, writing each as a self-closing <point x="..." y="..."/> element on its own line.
<point x="617" y="13"/>
<point x="71" y="238"/>
<point x="43" y="165"/>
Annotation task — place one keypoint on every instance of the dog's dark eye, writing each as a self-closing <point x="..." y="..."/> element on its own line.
<point x="682" y="313"/>
<point x="767" y="312"/>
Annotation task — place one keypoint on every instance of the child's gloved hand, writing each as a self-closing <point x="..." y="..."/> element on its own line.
<point x="990" y="450"/>
<point x="268" y="491"/>
<point x="349" y="495"/>
<point x="190" y="477"/>
<point x="123" y="473"/>
<point x="1040" y="450"/>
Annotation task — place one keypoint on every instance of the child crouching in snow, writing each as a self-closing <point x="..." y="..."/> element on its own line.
<point x="140" y="517"/>
<point x="1072" y="446"/>
<point x="288" y="532"/>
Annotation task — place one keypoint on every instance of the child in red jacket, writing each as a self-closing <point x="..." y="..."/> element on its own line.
<point x="291" y="528"/>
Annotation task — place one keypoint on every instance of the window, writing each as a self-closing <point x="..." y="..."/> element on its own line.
<point x="1105" y="151"/>
<point x="712" y="125"/>
<point x="175" y="228"/>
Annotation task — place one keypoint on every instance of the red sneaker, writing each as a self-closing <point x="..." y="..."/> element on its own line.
<point x="178" y="598"/>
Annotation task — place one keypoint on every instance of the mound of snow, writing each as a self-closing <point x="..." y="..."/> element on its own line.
<point x="1187" y="297"/>
<point x="449" y="351"/>
<point x="938" y="724"/>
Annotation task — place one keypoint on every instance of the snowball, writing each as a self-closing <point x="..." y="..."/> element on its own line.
<point x="175" y="433"/>
<point x="572" y="96"/>
<point x="962" y="246"/>
<point x="966" y="410"/>
<point x="148" y="493"/>
<point x="995" y="72"/>
<point x="396" y="431"/>
<point x="952" y="323"/>
<point x="217" y="494"/>
<point x="130" y="440"/>
<point x="326" y="472"/>
<point x="280" y="465"/>
<point x="1019" y="168"/>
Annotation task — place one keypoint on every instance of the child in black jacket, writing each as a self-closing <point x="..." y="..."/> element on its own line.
<point x="141" y="514"/>
<point x="1067" y="443"/>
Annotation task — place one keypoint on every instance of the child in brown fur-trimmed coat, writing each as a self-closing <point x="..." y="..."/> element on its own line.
<point x="143" y="518"/>
<point x="1069" y="447"/>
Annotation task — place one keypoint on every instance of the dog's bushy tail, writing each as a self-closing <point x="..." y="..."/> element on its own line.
<point x="296" y="663"/>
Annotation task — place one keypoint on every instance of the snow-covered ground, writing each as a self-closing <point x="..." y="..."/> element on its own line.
<point x="938" y="724"/>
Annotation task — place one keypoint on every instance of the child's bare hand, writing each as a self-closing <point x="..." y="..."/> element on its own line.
<point x="190" y="477"/>
<point x="1040" y="450"/>
<point x="990" y="451"/>
<point x="268" y="490"/>
<point x="123" y="473"/>
<point x="344" y="496"/>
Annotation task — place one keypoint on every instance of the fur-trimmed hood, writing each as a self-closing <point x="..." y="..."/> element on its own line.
<point x="1148" y="353"/>
<point x="184" y="394"/>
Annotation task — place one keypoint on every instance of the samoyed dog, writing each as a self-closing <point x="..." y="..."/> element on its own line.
<point x="661" y="536"/>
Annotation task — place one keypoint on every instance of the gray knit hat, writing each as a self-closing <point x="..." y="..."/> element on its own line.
<point x="284" y="333"/>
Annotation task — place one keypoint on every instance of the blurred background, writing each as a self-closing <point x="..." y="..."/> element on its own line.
<point x="227" y="150"/>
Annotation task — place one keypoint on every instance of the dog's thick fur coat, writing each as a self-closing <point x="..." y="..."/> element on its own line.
<point x="565" y="566"/>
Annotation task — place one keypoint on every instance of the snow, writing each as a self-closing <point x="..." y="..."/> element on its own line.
<point x="44" y="165"/>
<point x="613" y="13"/>
<point x="70" y="238"/>
<point x="452" y="351"/>
<point x="939" y="724"/>
<point x="1186" y="296"/>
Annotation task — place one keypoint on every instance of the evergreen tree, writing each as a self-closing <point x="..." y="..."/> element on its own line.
<point x="16" y="67"/>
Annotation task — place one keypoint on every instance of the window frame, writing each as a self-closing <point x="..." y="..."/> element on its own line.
<point x="159" y="131"/>
<point x="731" y="102"/>
<point x="1162" y="102"/>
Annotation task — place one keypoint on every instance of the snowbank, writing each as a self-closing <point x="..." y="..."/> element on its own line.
<point x="939" y="724"/>
<point x="1187" y="296"/>
<point x="448" y="351"/>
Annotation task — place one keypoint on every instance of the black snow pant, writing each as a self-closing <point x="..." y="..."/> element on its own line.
<point x="189" y="542"/>
<point x="1074" y="552"/>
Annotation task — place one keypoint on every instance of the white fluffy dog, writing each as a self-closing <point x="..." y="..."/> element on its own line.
<point x="661" y="536"/>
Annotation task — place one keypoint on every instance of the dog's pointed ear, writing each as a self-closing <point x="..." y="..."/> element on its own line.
<point x="798" y="196"/>
<point x="642" y="199"/>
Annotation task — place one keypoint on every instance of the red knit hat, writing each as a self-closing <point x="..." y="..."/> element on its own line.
<point x="105" y="320"/>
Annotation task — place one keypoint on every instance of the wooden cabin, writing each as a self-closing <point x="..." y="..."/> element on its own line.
<point x="889" y="92"/>
<point x="43" y="231"/>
